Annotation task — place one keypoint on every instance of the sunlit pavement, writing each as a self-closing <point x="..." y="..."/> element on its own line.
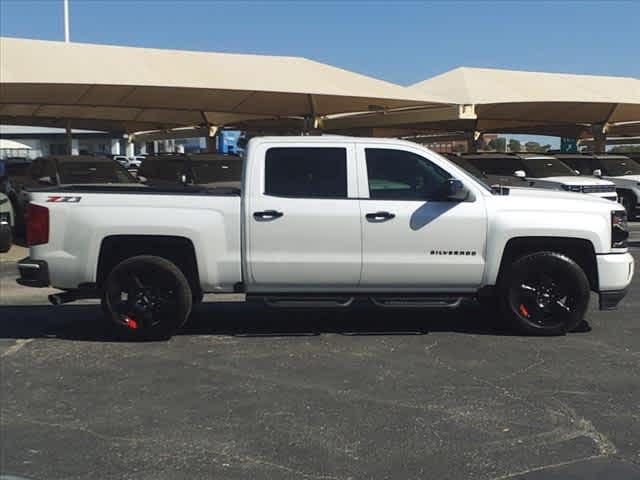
<point x="245" y="392"/>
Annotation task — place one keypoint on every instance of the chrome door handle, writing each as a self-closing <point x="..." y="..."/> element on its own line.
<point x="378" y="217"/>
<point x="267" y="215"/>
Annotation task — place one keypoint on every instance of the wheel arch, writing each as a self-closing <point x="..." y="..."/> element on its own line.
<point x="579" y="250"/>
<point x="178" y="250"/>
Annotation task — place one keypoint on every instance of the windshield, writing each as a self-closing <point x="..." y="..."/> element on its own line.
<point x="466" y="165"/>
<point x="547" y="167"/>
<point x="616" y="167"/>
<point x="77" y="172"/>
<point x="497" y="166"/>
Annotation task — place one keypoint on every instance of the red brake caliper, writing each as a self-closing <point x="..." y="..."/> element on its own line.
<point x="130" y="322"/>
<point x="523" y="310"/>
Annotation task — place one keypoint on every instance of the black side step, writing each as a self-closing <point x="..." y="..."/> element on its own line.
<point x="288" y="301"/>
<point x="416" y="302"/>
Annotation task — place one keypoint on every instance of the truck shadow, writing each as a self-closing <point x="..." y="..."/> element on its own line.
<point x="85" y="322"/>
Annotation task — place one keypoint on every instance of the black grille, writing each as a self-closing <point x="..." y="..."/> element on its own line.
<point x="598" y="188"/>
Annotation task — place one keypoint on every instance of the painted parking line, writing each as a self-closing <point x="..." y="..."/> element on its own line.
<point x="21" y="342"/>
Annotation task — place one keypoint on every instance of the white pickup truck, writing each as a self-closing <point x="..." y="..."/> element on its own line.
<point x="324" y="221"/>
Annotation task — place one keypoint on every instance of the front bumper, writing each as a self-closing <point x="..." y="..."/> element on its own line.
<point x="33" y="273"/>
<point x="610" y="300"/>
<point x="615" y="272"/>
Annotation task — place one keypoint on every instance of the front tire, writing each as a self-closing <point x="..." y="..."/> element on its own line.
<point x="147" y="298"/>
<point x="544" y="293"/>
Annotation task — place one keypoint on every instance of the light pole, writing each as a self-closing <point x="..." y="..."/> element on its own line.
<point x="66" y="39"/>
<point x="66" y="20"/>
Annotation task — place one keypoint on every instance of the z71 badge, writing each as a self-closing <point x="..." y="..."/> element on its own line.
<point x="63" y="199"/>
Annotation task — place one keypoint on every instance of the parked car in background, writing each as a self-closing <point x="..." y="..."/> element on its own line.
<point x="15" y="175"/>
<point x="122" y="160"/>
<point x="136" y="162"/>
<point x="541" y="171"/>
<point x="619" y="169"/>
<point x="489" y="179"/>
<point x="70" y="170"/>
<point x="203" y="169"/>
<point x="632" y="155"/>
<point x="6" y="223"/>
<point x="130" y="163"/>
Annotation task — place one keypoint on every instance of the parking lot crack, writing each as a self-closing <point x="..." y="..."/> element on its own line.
<point x="586" y="428"/>
<point x="539" y="360"/>
<point x="80" y="428"/>
<point x="544" y="467"/>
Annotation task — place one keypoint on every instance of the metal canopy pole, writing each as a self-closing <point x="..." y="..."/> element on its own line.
<point x="69" y="138"/>
<point x="66" y="20"/>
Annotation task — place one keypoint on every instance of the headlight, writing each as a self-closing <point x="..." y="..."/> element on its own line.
<point x="619" y="229"/>
<point x="572" y="188"/>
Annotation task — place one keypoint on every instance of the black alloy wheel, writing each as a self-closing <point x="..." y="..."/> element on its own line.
<point x="545" y="293"/>
<point x="147" y="298"/>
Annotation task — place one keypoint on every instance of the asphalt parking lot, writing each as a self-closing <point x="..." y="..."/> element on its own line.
<point x="243" y="392"/>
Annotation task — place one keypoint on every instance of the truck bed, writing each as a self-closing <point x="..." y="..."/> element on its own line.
<point x="143" y="190"/>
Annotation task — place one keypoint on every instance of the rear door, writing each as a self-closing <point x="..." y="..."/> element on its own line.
<point x="302" y="218"/>
<point x="414" y="240"/>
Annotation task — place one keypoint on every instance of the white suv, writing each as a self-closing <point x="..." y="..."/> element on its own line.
<point x="619" y="169"/>
<point x="541" y="171"/>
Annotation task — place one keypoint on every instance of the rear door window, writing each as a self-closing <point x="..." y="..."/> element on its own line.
<point x="306" y="172"/>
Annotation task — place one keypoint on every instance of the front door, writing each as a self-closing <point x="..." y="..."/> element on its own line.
<point x="413" y="239"/>
<point x="303" y="219"/>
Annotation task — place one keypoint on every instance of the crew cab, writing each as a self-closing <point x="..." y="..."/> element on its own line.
<point x="539" y="171"/>
<point x="623" y="171"/>
<point x="325" y="221"/>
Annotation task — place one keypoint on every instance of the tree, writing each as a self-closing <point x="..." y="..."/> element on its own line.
<point x="498" y="144"/>
<point x="532" y="146"/>
<point x="514" y="145"/>
<point x="625" y="149"/>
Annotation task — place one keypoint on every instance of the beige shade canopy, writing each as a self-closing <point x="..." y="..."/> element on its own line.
<point x="110" y="87"/>
<point x="505" y="101"/>
<point x="8" y="144"/>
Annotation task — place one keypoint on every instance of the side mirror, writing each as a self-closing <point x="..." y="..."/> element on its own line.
<point x="578" y="172"/>
<point x="45" y="181"/>
<point x="455" y="190"/>
<point x="142" y="179"/>
<point x="520" y="174"/>
<point x="597" y="172"/>
<point x="184" y="179"/>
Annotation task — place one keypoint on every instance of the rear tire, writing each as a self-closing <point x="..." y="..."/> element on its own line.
<point x="147" y="298"/>
<point x="544" y="293"/>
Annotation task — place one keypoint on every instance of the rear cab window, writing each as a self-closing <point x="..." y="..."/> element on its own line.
<point x="306" y="172"/>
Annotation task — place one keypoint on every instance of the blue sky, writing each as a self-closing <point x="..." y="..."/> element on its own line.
<point x="402" y="42"/>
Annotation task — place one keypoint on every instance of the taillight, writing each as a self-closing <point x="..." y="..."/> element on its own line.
<point x="37" y="225"/>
